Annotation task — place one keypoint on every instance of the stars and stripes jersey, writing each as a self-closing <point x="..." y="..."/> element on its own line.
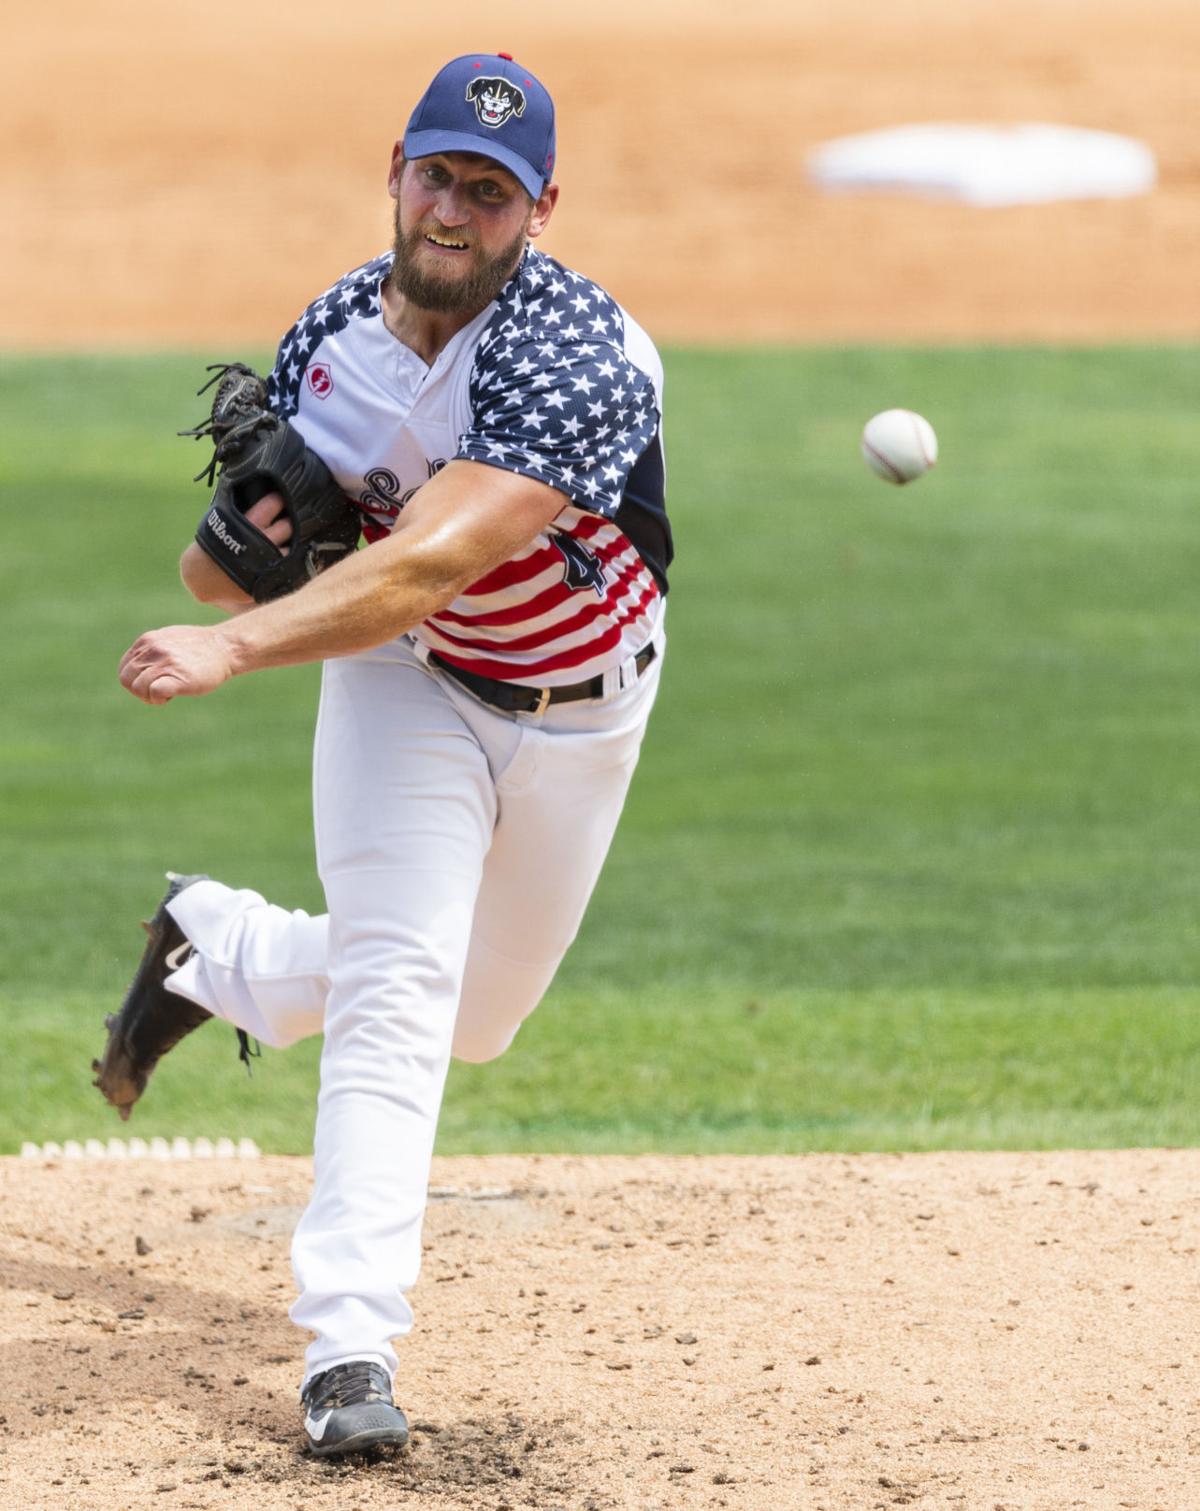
<point x="553" y="380"/>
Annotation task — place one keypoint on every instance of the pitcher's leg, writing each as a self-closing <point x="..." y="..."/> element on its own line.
<point x="405" y="808"/>
<point x="259" y="967"/>
<point x="551" y="840"/>
<point x="398" y="941"/>
<point x="537" y="882"/>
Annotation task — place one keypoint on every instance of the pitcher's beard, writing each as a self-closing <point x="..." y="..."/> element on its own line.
<point x="454" y="294"/>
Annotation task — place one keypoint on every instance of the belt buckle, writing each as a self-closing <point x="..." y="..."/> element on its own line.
<point x="543" y="702"/>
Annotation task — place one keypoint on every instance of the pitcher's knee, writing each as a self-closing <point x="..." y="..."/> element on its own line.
<point x="284" y="1035"/>
<point x="476" y="1044"/>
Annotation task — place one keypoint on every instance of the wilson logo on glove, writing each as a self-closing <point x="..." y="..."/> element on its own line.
<point x="213" y="521"/>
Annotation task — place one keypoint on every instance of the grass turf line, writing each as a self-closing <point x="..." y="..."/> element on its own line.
<point x="921" y="784"/>
<point x="774" y="1073"/>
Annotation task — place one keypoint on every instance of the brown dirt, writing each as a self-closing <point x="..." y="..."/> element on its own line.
<point x="827" y="1332"/>
<point x="976" y="1331"/>
<point x="194" y="173"/>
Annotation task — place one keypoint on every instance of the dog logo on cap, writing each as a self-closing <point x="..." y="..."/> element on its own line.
<point x="495" y="100"/>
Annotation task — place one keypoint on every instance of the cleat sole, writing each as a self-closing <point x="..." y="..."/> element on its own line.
<point x="372" y="1437"/>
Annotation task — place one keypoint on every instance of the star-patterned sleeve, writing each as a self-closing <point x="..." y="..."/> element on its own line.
<point x="572" y="413"/>
<point x="277" y="379"/>
<point x="356" y="295"/>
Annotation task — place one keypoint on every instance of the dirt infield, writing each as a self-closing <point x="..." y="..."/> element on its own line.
<point x="194" y="173"/>
<point x="835" y="1333"/>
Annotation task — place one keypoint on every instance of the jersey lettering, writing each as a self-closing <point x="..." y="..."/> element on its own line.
<point x="379" y="496"/>
<point x="382" y="499"/>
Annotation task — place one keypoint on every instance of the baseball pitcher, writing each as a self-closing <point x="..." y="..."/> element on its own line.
<point x="491" y="422"/>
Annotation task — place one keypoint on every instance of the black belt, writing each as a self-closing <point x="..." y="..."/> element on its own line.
<point x="511" y="699"/>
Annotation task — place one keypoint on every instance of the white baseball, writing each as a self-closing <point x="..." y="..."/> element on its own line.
<point x="898" y="445"/>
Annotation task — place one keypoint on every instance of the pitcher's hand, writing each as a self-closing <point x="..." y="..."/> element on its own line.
<point x="180" y="661"/>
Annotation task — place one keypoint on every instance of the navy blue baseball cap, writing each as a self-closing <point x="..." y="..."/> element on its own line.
<point x="487" y="103"/>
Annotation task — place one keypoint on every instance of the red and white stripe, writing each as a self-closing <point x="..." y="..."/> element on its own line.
<point x="521" y="623"/>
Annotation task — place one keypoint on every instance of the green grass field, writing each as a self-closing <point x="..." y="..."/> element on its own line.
<point x="913" y="858"/>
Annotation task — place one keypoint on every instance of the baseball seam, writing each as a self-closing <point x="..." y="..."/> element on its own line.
<point x="916" y="425"/>
<point x="896" y="475"/>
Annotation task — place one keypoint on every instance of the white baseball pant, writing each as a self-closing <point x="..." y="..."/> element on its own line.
<point x="457" y="847"/>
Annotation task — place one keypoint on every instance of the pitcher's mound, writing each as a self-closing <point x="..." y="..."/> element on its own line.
<point x="829" y="1332"/>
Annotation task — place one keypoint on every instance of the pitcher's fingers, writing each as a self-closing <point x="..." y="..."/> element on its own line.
<point x="154" y="685"/>
<point x="280" y="532"/>
<point x="162" y="688"/>
<point x="139" y="679"/>
<point x="131" y="664"/>
<point x="266" y="510"/>
<point x="132" y="652"/>
<point x="269" y="515"/>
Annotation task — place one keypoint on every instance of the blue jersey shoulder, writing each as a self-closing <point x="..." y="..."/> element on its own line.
<point x="547" y="302"/>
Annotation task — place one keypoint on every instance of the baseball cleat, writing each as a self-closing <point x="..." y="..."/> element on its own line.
<point x="350" y="1408"/>
<point x="152" y="1020"/>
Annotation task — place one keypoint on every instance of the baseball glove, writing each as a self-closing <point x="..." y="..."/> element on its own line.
<point x="258" y="453"/>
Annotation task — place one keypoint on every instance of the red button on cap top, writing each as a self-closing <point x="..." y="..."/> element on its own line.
<point x="507" y="56"/>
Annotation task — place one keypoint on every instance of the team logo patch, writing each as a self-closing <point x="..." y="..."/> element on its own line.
<point x="320" y="380"/>
<point x="495" y="100"/>
<point x="583" y="569"/>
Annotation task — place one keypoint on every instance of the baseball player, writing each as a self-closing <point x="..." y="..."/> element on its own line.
<point x="490" y="661"/>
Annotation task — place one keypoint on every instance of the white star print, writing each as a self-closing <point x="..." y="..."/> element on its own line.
<point x="550" y="387"/>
